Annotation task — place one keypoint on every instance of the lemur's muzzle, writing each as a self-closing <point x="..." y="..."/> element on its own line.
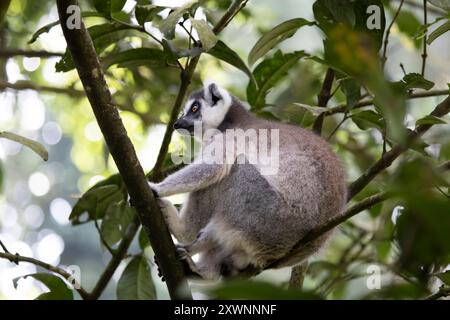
<point x="182" y="123"/>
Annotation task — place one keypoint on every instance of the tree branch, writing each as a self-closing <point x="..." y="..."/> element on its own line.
<point x="28" y="85"/>
<point x="69" y="277"/>
<point x="122" y="150"/>
<point x="322" y="99"/>
<point x="186" y="76"/>
<point x="386" y="160"/>
<point x="9" y="53"/>
<point x="343" y="107"/>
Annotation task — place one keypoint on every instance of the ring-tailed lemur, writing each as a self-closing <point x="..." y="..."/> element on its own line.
<point x="235" y="216"/>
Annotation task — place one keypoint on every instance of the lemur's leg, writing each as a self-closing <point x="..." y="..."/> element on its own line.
<point x="172" y="218"/>
<point x="194" y="177"/>
<point x="203" y="242"/>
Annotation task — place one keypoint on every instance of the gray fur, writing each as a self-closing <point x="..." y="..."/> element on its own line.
<point x="237" y="218"/>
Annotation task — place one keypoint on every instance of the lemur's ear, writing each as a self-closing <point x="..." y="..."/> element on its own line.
<point x="212" y="93"/>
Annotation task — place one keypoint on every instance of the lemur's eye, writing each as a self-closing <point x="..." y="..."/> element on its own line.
<point x="194" y="107"/>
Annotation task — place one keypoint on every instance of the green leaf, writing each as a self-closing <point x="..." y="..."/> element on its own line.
<point x="95" y="197"/>
<point x="146" y="13"/>
<point x="115" y="223"/>
<point x="368" y="119"/>
<point x="58" y="288"/>
<point x="444" y="277"/>
<point x="205" y="33"/>
<point x="103" y="6"/>
<point x="174" y="52"/>
<point x="135" y="57"/>
<point x="439" y="31"/>
<point x="33" y="145"/>
<point x="107" y="7"/>
<point x="414" y="80"/>
<point x="258" y="290"/>
<point x="136" y="282"/>
<point x="102" y="36"/>
<point x="352" y="91"/>
<point x="49" y="26"/>
<point x="223" y="52"/>
<point x="117" y="5"/>
<point x="408" y="23"/>
<point x="443" y="4"/>
<point x="328" y="13"/>
<point x="167" y="26"/>
<point x="268" y="73"/>
<point x="143" y="239"/>
<point x="275" y="36"/>
<point x="430" y="120"/>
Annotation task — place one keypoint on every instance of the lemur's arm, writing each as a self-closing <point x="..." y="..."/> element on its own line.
<point x="202" y="173"/>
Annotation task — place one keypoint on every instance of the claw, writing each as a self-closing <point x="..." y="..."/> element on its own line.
<point x="182" y="251"/>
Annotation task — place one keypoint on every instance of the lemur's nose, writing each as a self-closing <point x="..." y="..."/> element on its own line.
<point x="177" y="124"/>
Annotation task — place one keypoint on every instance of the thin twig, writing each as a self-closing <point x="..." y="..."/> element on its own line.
<point x="69" y="277"/>
<point x="189" y="33"/>
<point x="365" y="103"/>
<point x="424" y="52"/>
<point x="443" y="292"/>
<point x="138" y="28"/>
<point x="10" y="53"/>
<point x="388" y="31"/>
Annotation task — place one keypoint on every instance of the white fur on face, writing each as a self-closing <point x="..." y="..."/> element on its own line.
<point x="187" y="106"/>
<point x="212" y="116"/>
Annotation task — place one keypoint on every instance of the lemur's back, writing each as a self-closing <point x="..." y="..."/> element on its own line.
<point x="267" y="215"/>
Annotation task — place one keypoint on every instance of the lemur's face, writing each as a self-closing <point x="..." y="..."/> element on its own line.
<point x="206" y="107"/>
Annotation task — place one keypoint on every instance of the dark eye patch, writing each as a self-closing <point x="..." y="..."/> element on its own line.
<point x="195" y="107"/>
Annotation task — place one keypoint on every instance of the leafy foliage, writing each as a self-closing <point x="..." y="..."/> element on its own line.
<point x="58" y="288"/>
<point x="136" y="281"/>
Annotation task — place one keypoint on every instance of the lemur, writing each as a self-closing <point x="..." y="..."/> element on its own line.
<point x="236" y="216"/>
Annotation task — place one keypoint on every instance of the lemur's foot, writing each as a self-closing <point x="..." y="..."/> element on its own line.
<point x="188" y="265"/>
<point x="190" y="268"/>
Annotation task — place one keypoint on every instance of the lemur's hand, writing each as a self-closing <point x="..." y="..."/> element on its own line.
<point x="155" y="188"/>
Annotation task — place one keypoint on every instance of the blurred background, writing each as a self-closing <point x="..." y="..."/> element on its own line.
<point x="36" y="197"/>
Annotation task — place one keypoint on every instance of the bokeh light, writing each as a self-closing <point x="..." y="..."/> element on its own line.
<point x="60" y="210"/>
<point x="38" y="184"/>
